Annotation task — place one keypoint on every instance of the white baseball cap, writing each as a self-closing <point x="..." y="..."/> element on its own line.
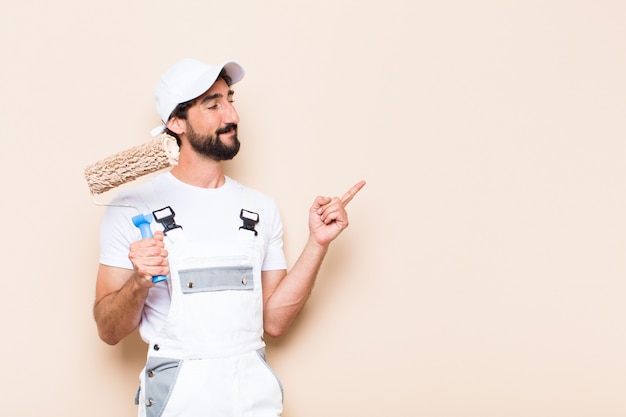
<point x="186" y="80"/>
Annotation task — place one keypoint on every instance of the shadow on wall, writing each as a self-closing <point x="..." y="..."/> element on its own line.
<point x="132" y="352"/>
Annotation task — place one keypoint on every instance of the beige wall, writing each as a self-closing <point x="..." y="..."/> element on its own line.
<point x="483" y="272"/>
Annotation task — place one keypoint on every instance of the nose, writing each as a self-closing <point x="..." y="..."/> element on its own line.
<point x="230" y="114"/>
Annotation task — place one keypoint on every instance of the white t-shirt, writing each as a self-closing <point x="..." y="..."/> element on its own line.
<point x="206" y="215"/>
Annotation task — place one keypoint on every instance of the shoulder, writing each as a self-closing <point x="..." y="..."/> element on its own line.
<point x="254" y="196"/>
<point x="138" y="195"/>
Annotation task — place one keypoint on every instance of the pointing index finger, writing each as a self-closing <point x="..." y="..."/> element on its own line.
<point x="349" y="195"/>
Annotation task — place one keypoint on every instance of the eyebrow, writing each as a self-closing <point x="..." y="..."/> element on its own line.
<point x="216" y="95"/>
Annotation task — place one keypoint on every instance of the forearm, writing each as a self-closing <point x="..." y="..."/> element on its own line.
<point x="290" y="296"/>
<point x="285" y="294"/>
<point x="118" y="314"/>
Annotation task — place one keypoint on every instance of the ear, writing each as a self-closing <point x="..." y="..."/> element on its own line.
<point x="177" y="125"/>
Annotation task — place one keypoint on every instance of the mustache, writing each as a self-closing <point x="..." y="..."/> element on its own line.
<point x="227" y="129"/>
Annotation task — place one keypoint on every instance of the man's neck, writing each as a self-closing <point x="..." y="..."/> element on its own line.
<point x="203" y="173"/>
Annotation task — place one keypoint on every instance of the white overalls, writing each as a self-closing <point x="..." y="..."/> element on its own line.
<point x="209" y="357"/>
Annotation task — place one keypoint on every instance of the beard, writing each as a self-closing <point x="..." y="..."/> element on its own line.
<point x="211" y="146"/>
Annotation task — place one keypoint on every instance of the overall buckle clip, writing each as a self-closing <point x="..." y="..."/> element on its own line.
<point x="250" y="219"/>
<point x="165" y="216"/>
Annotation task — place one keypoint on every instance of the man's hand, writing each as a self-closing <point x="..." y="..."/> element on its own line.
<point x="328" y="216"/>
<point x="149" y="258"/>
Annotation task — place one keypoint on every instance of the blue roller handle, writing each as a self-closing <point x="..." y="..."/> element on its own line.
<point x="142" y="221"/>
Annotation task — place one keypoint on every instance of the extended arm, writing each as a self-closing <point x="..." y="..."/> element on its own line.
<point x="284" y="294"/>
<point x="121" y="293"/>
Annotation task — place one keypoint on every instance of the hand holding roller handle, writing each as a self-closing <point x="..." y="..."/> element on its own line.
<point x="142" y="221"/>
<point x="159" y="153"/>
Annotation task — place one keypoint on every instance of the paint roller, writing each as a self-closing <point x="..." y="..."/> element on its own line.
<point x="159" y="153"/>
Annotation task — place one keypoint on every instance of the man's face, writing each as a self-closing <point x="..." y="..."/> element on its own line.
<point x="211" y="125"/>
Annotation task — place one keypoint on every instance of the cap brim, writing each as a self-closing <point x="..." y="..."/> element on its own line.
<point x="234" y="71"/>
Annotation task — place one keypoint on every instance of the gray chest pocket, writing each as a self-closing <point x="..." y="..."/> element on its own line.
<point x="216" y="279"/>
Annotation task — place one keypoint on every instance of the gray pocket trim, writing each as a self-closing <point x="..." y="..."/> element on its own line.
<point x="261" y="354"/>
<point x="216" y="279"/>
<point x="160" y="378"/>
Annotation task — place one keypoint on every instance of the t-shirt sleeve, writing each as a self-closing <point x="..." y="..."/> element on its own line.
<point x="275" y="255"/>
<point x="117" y="232"/>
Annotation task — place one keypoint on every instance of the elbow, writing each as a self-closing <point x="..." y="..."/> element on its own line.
<point x="278" y="321"/>
<point x="275" y="334"/>
<point x="107" y="332"/>
<point x="109" y="338"/>
<point x="275" y="331"/>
